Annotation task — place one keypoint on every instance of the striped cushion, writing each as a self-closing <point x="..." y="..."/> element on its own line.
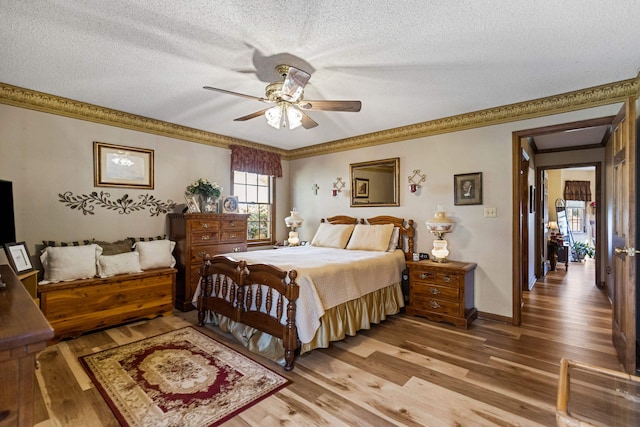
<point x="56" y="244"/>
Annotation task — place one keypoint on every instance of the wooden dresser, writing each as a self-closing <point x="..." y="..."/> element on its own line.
<point x="24" y="332"/>
<point x="442" y="292"/>
<point x="199" y="234"/>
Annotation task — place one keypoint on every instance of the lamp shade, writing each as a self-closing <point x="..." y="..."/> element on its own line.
<point x="440" y="223"/>
<point x="294" y="220"/>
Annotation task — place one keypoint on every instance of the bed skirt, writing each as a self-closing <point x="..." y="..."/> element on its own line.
<point x="336" y="323"/>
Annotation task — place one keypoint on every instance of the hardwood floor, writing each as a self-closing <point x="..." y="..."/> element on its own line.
<point x="405" y="371"/>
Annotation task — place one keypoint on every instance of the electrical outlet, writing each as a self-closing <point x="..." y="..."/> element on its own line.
<point x="490" y="212"/>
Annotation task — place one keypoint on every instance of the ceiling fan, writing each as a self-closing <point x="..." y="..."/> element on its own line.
<point x="288" y="97"/>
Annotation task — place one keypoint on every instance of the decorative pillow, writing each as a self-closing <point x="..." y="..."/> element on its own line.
<point x="111" y="265"/>
<point x="332" y="235"/>
<point x="70" y="262"/>
<point x="54" y="243"/>
<point x="133" y="240"/>
<point x="395" y="238"/>
<point x="155" y="254"/>
<point x="371" y="237"/>
<point x="114" y="248"/>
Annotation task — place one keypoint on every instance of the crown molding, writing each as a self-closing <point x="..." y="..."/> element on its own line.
<point x="596" y="96"/>
<point x="39" y="101"/>
<point x="571" y="101"/>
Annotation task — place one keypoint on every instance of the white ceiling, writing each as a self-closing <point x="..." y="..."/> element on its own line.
<point x="407" y="61"/>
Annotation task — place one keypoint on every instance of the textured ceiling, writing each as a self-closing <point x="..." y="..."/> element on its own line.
<point x="407" y="61"/>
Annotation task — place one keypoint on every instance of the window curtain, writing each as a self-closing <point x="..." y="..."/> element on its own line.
<point x="246" y="159"/>
<point x="577" y="190"/>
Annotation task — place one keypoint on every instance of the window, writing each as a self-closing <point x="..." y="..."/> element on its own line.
<point x="575" y="215"/>
<point x="255" y="196"/>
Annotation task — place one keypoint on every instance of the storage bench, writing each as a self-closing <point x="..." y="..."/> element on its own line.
<point x="79" y="306"/>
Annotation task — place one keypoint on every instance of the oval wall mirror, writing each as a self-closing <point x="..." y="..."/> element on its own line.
<point x="375" y="183"/>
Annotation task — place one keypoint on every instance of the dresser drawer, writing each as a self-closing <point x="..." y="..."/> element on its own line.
<point x="204" y="225"/>
<point x="449" y="308"/>
<point x="430" y="290"/>
<point x="198" y="253"/>
<point x="206" y="237"/>
<point x="232" y="224"/>
<point x="233" y="236"/>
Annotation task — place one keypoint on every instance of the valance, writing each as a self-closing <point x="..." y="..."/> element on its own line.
<point x="247" y="159"/>
<point x="577" y="190"/>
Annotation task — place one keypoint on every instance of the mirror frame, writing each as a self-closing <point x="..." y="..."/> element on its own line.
<point x="395" y="161"/>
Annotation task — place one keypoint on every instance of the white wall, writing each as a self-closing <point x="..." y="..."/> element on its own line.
<point x="486" y="241"/>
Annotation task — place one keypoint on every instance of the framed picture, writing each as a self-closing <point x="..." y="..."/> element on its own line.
<point x="361" y="187"/>
<point x="192" y="203"/>
<point x="467" y="189"/>
<point x="18" y="257"/>
<point x="230" y="204"/>
<point x="120" y="166"/>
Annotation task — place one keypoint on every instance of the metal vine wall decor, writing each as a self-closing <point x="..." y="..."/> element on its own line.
<point x="124" y="205"/>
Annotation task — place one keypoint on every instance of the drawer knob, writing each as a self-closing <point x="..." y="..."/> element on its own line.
<point x="202" y="253"/>
<point x="205" y="237"/>
<point x="232" y="236"/>
<point x="205" y="225"/>
<point x="232" y="224"/>
<point x="434" y="291"/>
<point x="236" y="249"/>
<point x="424" y="275"/>
<point x="447" y="279"/>
<point x="434" y="304"/>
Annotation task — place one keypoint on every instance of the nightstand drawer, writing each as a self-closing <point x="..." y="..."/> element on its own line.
<point x="430" y="290"/>
<point x="450" y="308"/>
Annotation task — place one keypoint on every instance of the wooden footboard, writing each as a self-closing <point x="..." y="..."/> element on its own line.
<point x="259" y="295"/>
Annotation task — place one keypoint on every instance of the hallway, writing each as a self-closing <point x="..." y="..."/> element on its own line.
<point x="568" y="309"/>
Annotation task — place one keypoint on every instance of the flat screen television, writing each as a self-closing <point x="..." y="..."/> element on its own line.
<point x="8" y="223"/>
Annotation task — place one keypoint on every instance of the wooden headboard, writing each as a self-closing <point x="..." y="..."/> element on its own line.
<point x="407" y="232"/>
<point x="342" y="219"/>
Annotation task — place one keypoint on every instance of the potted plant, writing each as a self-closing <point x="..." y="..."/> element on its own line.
<point x="581" y="249"/>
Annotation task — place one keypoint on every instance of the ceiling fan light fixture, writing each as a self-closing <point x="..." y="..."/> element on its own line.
<point x="294" y="117"/>
<point x="274" y="116"/>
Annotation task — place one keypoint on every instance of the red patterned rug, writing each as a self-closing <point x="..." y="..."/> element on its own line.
<point x="180" y="378"/>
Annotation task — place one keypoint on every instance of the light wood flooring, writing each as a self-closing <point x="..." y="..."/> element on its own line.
<point x="405" y="371"/>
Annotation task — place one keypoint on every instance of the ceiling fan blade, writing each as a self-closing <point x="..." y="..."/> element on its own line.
<point x="350" y="106"/>
<point x="308" y="122"/>
<point x="215" y="89"/>
<point x="294" y="84"/>
<point x="251" y="116"/>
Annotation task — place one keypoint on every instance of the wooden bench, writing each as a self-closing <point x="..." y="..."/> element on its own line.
<point x="79" y="306"/>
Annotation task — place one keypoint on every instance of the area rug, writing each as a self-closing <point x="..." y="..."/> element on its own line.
<point x="180" y="378"/>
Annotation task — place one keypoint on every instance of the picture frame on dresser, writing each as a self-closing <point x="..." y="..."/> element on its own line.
<point x="18" y="257"/>
<point x="192" y="203"/>
<point x="230" y="204"/>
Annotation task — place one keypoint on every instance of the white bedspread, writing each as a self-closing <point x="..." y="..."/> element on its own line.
<point x="328" y="277"/>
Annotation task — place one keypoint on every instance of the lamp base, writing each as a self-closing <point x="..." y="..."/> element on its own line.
<point x="439" y="260"/>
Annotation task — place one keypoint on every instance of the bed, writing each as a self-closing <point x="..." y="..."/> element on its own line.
<point x="285" y="302"/>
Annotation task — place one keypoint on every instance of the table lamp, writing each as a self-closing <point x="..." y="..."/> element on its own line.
<point x="294" y="221"/>
<point x="438" y="226"/>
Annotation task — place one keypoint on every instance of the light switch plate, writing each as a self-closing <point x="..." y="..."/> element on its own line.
<point x="490" y="212"/>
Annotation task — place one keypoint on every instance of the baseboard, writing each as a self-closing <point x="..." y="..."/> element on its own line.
<point x="495" y="317"/>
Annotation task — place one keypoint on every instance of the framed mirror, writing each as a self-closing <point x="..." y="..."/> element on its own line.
<point x="375" y="183"/>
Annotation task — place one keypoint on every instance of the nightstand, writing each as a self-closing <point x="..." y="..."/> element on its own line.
<point x="442" y="292"/>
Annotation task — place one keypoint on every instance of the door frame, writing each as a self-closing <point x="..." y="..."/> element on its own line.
<point x="517" y="138"/>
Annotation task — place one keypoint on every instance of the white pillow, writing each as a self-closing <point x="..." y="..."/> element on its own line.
<point x="395" y="238"/>
<point x="155" y="254"/>
<point x="111" y="265"/>
<point x="332" y="235"/>
<point x="371" y="237"/>
<point x="70" y="262"/>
